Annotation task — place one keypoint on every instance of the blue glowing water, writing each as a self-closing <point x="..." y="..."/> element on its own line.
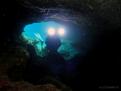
<point x="37" y="32"/>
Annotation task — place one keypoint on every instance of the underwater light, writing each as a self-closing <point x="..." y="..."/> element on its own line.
<point x="61" y="31"/>
<point x="51" y="31"/>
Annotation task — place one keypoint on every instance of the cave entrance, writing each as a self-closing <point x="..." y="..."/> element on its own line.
<point x="35" y="34"/>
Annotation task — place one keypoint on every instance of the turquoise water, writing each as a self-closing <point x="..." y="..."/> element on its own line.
<point x="36" y="34"/>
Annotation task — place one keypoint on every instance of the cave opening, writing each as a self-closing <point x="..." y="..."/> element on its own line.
<point x="35" y="34"/>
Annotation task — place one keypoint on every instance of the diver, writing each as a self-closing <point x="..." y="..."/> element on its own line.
<point x="54" y="61"/>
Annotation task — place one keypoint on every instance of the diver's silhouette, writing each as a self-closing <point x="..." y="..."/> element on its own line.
<point x="54" y="61"/>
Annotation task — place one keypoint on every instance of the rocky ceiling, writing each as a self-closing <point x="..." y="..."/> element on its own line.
<point x="109" y="10"/>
